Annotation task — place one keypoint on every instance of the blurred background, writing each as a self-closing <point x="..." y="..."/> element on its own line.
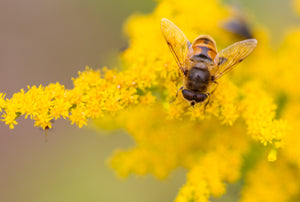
<point x="50" y="41"/>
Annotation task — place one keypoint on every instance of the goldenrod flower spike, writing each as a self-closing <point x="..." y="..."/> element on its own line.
<point x="250" y="131"/>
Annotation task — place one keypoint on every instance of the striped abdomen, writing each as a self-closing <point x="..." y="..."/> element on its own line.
<point x="204" y="50"/>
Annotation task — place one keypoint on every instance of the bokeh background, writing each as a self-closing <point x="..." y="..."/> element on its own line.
<point x="50" y="41"/>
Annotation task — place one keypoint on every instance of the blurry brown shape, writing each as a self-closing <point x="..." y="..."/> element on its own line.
<point x="238" y="25"/>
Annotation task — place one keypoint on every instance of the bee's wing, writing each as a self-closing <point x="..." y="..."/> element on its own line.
<point x="232" y="55"/>
<point x="177" y="42"/>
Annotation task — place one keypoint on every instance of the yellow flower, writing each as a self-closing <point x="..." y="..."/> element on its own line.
<point x="270" y="182"/>
<point x="296" y="6"/>
<point x="249" y="131"/>
<point x="272" y="155"/>
<point x="2" y="101"/>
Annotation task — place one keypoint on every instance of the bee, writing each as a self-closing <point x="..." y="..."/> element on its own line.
<point x="200" y="62"/>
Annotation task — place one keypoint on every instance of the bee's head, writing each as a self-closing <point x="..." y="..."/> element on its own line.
<point x="193" y="97"/>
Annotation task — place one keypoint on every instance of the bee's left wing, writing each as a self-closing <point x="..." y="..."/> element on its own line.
<point x="177" y="42"/>
<point x="232" y="55"/>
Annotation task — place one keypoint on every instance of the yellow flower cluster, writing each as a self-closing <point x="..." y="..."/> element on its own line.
<point x="271" y="182"/>
<point x="296" y="6"/>
<point x="261" y="95"/>
<point x="91" y="96"/>
<point x="253" y="116"/>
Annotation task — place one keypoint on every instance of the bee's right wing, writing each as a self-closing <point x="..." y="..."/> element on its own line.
<point x="232" y="55"/>
<point x="177" y="42"/>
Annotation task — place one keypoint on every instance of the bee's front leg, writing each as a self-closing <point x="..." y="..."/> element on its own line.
<point x="207" y="102"/>
<point x="177" y="94"/>
<point x="217" y="84"/>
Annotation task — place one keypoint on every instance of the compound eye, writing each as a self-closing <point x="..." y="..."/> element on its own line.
<point x="200" y="97"/>
<point x="188" y="95"/>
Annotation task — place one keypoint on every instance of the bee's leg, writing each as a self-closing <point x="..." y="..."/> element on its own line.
<point x="207" y="102"/>
<point x="177" y="94"/>
<point x="217" y="84"/>
<point x="209" y="95"/>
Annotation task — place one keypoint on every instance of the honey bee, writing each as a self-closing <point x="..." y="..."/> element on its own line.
<point x="200" y="62"/>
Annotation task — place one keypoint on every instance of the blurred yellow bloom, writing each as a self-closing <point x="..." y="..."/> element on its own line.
<point x="296" y="6"/>
<point x="249" y="131"/>
<point x="271" y="182"/>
